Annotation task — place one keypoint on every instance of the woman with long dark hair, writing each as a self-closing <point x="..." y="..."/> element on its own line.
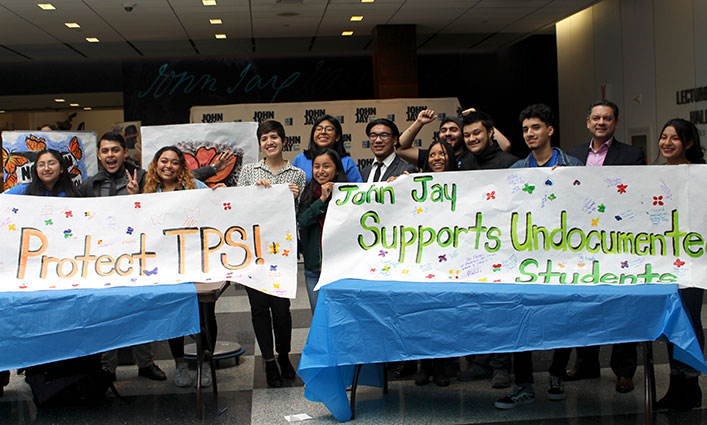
<point x="326" y="134"/>
<point x="50" y="177"/>
<point x="169" y="172"/>
<point x="311" y="211"/>
<point x="679" y="143"/>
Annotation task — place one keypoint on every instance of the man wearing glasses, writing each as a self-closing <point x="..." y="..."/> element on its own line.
<point x="383" y="135"/>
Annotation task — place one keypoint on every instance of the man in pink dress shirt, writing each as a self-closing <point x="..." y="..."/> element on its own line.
<point x="604" y="149"/>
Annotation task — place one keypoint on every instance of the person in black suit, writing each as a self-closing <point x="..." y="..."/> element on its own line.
<point x="603" y="149"/>
<point x="383" y="135"/>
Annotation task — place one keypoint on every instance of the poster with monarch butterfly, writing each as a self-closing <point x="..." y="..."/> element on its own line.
<point x="19" y="152"/>
<point x="202" y="143"/>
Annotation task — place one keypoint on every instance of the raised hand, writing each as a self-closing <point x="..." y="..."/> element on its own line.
<point x="133" y="187"/>
<point x="426" y="116"/>
<point x="223" y="159"/>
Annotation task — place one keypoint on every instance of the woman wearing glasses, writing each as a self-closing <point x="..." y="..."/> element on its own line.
<point x="326" y="134"/>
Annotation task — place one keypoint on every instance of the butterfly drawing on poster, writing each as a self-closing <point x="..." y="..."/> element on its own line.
<point x="20" y="150"/>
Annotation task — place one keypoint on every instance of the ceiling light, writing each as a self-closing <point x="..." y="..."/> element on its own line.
<point x="92" y="39"/>
<point x="86" y="108"/>
<point x="2" y="112"/>
<point x="215" y="21"/>
<point x="46" y="6"/>
<point x="59" y="100"/>
<point x="356" y="19"/>
<point x="208" y="2"/>
<point x="220" y="36"/>
<point x="346" y="33"/>
<point x="73" y="105"/>
<point x="72" y="25"/>
<point x="367" y="1"/>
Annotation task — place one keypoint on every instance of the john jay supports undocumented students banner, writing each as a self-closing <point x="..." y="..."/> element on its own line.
<point x="571" y="225"/>
<point x="246" y="235"/>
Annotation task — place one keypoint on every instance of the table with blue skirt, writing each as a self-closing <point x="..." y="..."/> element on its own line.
<point x="360" y="322"/>
<point x="46" y="326"/>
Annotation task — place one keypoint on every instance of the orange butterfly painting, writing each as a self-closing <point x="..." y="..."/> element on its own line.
<point x="35" y="143"/>
<point x="10" y="162"/>
<point x="206" y="156"/>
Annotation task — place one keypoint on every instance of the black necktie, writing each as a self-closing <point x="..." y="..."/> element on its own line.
<point x="377" y="175"/>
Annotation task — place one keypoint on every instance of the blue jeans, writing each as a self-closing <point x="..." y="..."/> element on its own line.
<point x="311" y="279"/>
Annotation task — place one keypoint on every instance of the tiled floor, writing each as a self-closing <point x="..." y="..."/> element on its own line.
<point x="245" y="399"/>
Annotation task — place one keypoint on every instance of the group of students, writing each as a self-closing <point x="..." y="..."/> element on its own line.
<point x="470" y="142"/>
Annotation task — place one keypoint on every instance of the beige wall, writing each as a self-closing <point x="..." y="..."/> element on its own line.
<point x="640" y="52"/>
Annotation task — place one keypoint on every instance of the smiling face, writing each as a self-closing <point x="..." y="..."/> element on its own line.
<point x="536" y="133"/>
<point x="452" y="134"/>
<point x="48" y="169"/>
<point x="476" y="137"/>
<point x="437" y="158"/>
<point x="325" y="135"/>
<point x="271" y="144"/>
<point x="602" y="123"/>
<point x="671" y="147"/>
<point x="323" y="169"/>
<point x="168" y="167"/>
<point x="111" y="155"/>
<point x="382" y="141"/>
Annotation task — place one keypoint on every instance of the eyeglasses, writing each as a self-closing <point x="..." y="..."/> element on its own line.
<point x="383" y="136"/>
<point x="328" y="129"/>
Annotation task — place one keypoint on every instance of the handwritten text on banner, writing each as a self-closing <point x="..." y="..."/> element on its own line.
<point x="571" y="225"/>
<point x="247" y="235"/>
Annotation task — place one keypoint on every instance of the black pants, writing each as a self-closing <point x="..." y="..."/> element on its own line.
<point x="207" y="312"/>
<point x="692" y="301"/>
<point x="261" y="307"/>
<point x="523" y="365"/>
<point x="624" y="359"/>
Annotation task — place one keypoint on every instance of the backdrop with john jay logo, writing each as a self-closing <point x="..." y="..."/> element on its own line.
<point x="354" y="115"/>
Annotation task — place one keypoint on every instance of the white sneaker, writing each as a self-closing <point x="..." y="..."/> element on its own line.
<point x="182" y="377"/>
<point x="206" y="375"/>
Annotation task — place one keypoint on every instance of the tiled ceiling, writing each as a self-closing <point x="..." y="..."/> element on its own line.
<point x="181" y="28"/>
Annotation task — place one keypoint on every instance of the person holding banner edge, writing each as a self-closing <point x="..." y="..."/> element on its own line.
<point x="440" y="158"/>
<point x="326" y="134"/>
<point x="537" y="122"/>
<point x="168" y="172"/>
<point x="311" y="212"/>
<point x="680" y="144"/>
<point x="50" y="177"/>
<point x="273" y="169"/>
<point x="604" y="150"/>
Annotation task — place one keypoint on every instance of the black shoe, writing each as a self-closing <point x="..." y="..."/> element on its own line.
<point x="152" y="372"/>
<point x="272" y="374"/>
<point x="288" y="372"/>
<point x="112" y="375"/>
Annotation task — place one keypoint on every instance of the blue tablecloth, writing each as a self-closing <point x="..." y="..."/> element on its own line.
<point x="44" y="326"/>
<point x="363" y="322"/>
